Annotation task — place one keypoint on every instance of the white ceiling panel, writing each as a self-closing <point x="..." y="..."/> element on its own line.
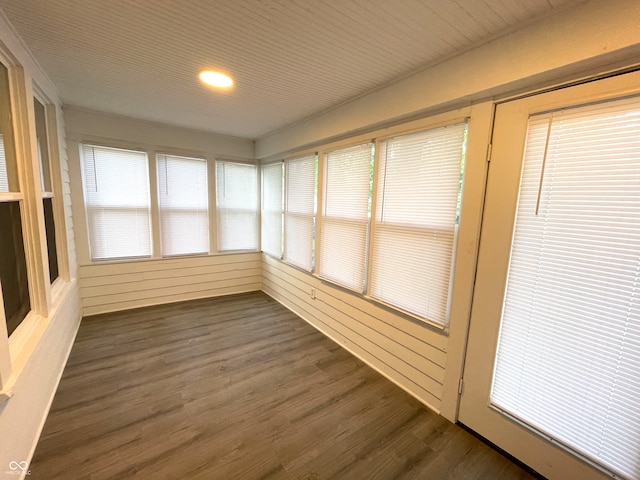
<point x="290" y="59"/>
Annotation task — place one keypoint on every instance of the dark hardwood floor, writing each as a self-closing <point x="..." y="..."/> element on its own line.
<point x="238" y="387"/>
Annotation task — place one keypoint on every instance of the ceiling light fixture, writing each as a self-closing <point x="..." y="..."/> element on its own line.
<point x="216" y="79"/>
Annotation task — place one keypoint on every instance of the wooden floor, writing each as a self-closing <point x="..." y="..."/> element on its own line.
<point x="240" y="388"/>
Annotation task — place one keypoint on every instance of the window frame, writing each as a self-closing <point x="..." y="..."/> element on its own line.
<point x="313" y="217"/>
<point x="257" y="206"/>
<point x="80" y="208"/>
<point x="149" y="165"/>
<point x="373" y="224"/>
<point x="55" y="183"/>
<point x="463" y="261"/>
<point x="15" y="350"/>
<point x="264" y="211"/>
<point x="154" y="182"/>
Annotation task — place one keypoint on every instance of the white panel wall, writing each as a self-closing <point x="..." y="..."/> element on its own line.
<point x="86" y="124"/>
<point x="109" y="287"/>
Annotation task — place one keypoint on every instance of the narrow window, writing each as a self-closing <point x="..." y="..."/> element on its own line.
<point x="13" y="267"/>
<point x="300" y="211"/>
<point x="237" y="206"/>
<point x="47" y="188"/>
<point x="272" y="180"/>
<point x="183" y="205"/>
<point x="116" y="189"/>
<point x="345" y="216"/>
<point x="414" y="228"/>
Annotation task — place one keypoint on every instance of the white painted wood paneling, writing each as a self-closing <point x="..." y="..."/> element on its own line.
<point x="110" y="287"/>
<point x="290" y="59"/>
<point x="575" y="43"/>
<point x="66" y="193"/>
<point x="407" y="352"/>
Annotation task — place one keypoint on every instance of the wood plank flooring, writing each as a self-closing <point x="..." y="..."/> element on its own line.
<point x="238" y="387"/>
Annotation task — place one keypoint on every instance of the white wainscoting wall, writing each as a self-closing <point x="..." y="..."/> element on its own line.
<point x="120" y="286"/>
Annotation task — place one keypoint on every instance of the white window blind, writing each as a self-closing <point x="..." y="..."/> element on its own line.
<point x="116" y="189"/>
<point x="272" y="209"/>
<point x="237" y="206"/>
<point x="183" y="205"/>
<point x="415" y="222"/>
<point x="345" y="215"/>
<point x="300" y="211"/>
<point x="568" y="358"/>
<point x="4" y="179"/>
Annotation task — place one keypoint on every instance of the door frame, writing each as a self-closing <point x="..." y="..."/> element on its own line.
<point x="543" y="454"/>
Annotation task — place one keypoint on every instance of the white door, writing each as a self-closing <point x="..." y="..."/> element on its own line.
<point x="552" y="372"/>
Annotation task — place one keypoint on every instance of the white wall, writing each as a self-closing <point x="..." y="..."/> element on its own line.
<point x="40" y="353"/>
<point x="586" y="40"/>
<point x="86" y="124"/>
<point x="109" y="287"/>
<point x="112" y="286"/>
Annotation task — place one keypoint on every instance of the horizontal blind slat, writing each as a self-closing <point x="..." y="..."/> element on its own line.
<point x="345" y="215"/>
<point x="272" y="208"/>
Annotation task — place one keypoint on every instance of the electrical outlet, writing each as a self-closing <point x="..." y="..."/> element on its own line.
<point x="313" y="293"/>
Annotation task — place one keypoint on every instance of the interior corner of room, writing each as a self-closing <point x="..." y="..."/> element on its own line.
<point x="465" y="223"/>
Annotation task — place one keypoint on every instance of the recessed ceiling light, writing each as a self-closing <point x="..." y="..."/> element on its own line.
<point x="216" y="79"/>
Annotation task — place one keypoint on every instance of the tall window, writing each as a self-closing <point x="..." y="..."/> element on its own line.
<point x="116" y="190"/>
<point x="300" y="210"/>
<point x="345" y="215"/>
<point x="13" y="267"/>
<point x="183" y="205"/>
<point x="414" y="231"/>
<point x="47" y="187"/>
<point x="272" y="209"/>
<point x="569" y="346"/>
<point x="237" y="205"/>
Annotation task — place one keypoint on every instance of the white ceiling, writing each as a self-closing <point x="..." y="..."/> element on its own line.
<point x="291" y="59"/>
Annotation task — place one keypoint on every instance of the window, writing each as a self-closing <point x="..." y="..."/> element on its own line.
<point x="568" y="351"/>
<point x="414" y="230"/>
<point x="116" y="190"/>
<point x="237" y="206"/>
<point x="13" y="267"/>
<point x="345" y="215"/>
<point x="47" y="187"/>
<point x="183" y="205"/>
<point x="300" y="211"/>
<point x="4" y="176"/>
<point x="272" y="209"/>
